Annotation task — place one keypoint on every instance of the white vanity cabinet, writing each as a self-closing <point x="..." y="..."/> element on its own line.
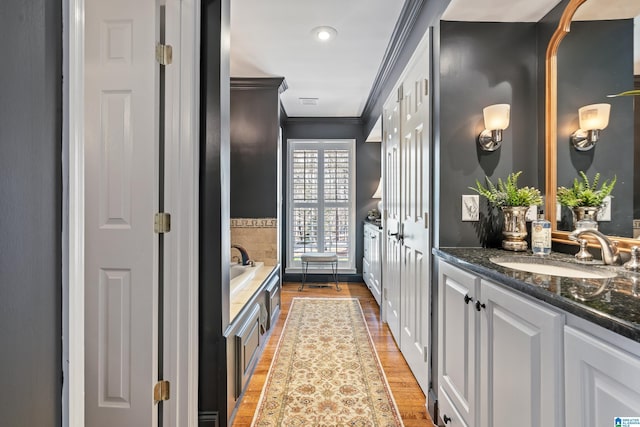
<point x="499" y="355"/>
<point x="602" y="380"/>
<point x="372" y="260"/>
<point x="458" y="351"/>
<point x="521" y="360"/>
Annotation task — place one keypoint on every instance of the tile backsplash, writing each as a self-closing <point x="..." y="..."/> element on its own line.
<point x="258" y="236"/>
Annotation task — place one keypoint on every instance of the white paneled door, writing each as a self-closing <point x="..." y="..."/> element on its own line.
<point x="407" y="251"/>
<point x="392" y="224"/>
<point x="122" y="187"/>
<point x="415" y="252"/>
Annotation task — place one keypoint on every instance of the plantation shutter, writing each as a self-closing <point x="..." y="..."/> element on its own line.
<point x="321" y="194"/>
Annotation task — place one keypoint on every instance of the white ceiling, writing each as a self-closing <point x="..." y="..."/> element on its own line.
<point x="498" y="10"/>
<point x="273" y="38"/>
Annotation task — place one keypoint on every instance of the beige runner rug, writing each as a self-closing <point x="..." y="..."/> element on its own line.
<point x="325" y="371"/>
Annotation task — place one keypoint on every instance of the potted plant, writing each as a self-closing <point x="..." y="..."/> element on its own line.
<point x="514" y="203"/>
<point x="585" y="197"/>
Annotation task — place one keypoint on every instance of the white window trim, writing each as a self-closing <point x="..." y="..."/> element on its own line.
<point x="295" y="267"/>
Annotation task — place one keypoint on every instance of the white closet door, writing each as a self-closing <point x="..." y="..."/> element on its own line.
<point x="391" y="200"/>
<point x="121" y="178"/>
<point x="415" y="325"/>
<point x="406" y="262"/>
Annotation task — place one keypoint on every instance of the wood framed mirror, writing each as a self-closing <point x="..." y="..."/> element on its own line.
<point x="551" y="128"/>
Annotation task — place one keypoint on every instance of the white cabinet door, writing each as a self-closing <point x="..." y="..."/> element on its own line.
<point x="366" y="259"/>
<point x="372" y="260"/>
<point x="375" y="266"/>
<point x="366" y="272"/>
<point x="521" y="362"/>
<point x="458" y="343"/>
<point x="449" y="414"/>
<point x="602" y="381"/>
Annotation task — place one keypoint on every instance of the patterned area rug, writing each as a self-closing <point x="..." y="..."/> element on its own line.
<point x="325" y="371"/>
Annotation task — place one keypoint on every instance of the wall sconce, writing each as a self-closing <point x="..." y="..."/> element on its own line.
<point x="496" y="119"/>
<point x="593" y="118"/>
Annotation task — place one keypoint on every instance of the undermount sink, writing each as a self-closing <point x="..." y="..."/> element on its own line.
<point x="551" y="267"/>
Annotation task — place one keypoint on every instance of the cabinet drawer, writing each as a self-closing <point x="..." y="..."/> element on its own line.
<point x="448" y="412"/>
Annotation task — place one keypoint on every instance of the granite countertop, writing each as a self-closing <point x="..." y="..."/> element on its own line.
<point x="613" y="303"/>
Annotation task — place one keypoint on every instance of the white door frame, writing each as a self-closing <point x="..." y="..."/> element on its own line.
<point x="181" y="308"/>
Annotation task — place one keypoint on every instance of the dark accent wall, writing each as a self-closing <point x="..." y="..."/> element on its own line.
<point x="367" y="164"/>
<point x="255" y="132"/>
<point x="596" y="59"/>
<point x="30" y="212"/>
<point x="483" y="64"/>
<point x="214" y="245"/>
<point x="546" y="27"/>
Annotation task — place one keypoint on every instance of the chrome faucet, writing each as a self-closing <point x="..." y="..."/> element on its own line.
<point x="609" y="248"/>
<point x="243" y="254"/>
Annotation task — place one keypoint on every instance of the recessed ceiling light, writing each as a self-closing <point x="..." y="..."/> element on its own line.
<point x="324" y="33"/>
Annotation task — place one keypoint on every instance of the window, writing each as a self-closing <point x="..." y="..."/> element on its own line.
<point x="321" y="200"/>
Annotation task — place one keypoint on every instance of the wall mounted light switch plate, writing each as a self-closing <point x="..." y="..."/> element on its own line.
<point x="604" y="214"/>
<point x="470" y="207"/>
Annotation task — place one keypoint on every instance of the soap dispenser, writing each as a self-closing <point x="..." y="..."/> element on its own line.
<point x="541" y="235"/>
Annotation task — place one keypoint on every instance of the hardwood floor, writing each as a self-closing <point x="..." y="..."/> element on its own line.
<point x="405" y="389"/>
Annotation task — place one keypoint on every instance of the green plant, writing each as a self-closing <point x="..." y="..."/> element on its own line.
<point x="585" y="193"/>
<point x="507" y="193"/>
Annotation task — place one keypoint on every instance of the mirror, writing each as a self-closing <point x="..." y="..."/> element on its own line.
<point x="591" y="55"/>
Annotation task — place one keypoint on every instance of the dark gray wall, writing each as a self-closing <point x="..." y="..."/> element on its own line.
<point x="367" y="164"/>
<point x="483" y="64"/>
<point x="596" y="59"/>
<point x="255" y="129"/>
<point x="214" y="245"/>
<point x="545" y="28"/>
<point x="30" y="208"/>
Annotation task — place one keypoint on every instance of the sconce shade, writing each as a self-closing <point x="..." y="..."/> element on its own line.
<point x="594" y="116"/>
<point x="378" y="192"/>
<point x="496" y="119"/>
<point x="496" y="116"/>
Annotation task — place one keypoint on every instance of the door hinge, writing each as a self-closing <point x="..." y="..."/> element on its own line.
<point x="400" y="94"/>
<point x="161" y="391"/>
<point x="426" y="220"/>
<point x="162" y="222"/>
<point x="426" y="87"/>
<point x="426" y="354"/>
<point x="164" y="54"/>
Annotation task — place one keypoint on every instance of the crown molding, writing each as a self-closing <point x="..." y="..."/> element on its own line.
<point x="408" y="16"/>
<point x="259" y="82"/>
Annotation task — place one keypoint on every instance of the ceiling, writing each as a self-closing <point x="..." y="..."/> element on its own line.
<point x="274" y="38"/>
<point x="498" y="10"/>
